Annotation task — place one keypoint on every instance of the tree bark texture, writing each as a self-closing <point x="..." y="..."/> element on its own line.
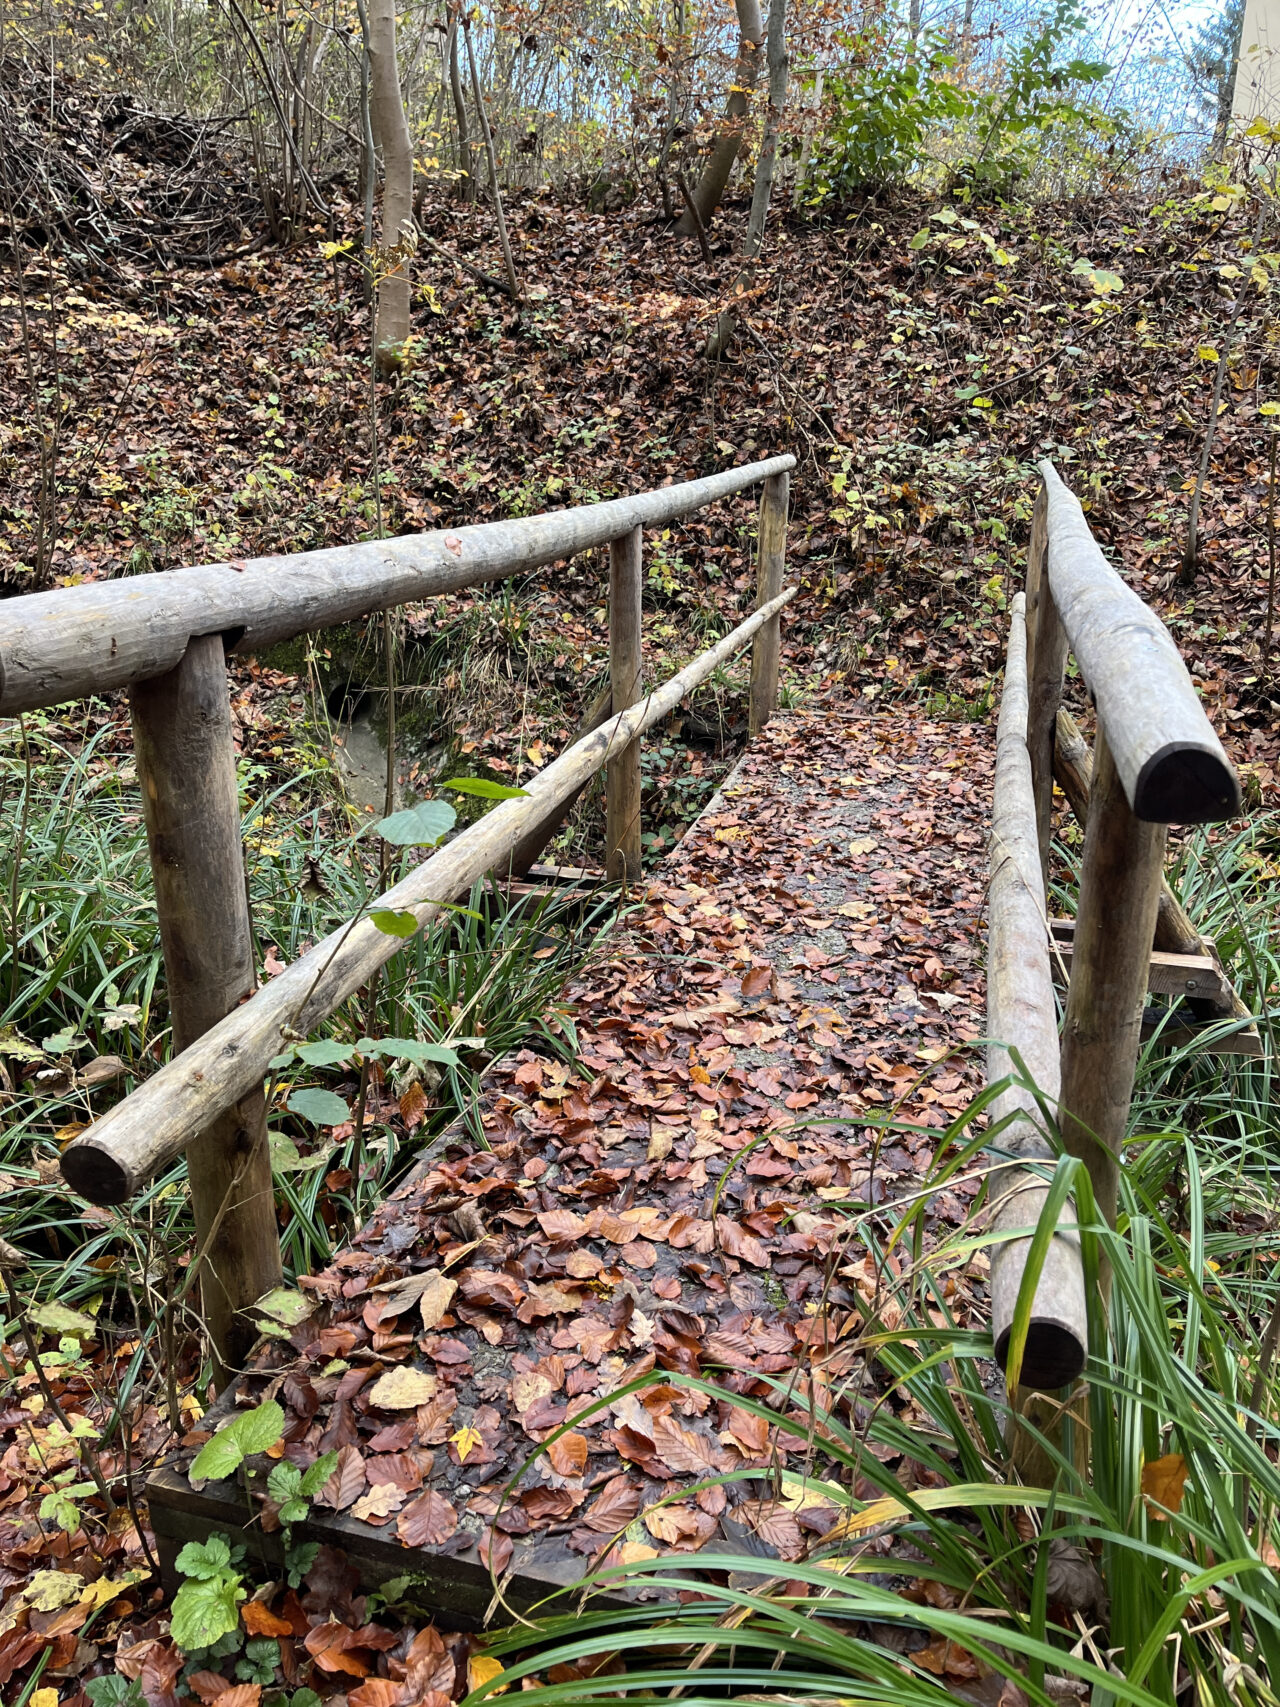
<point x="622" y="778"/>
<point x="187" y="771"/>
<point x="391" y="132"/>
<point x="771" y="566"/>
<point x="1022" y="1014"/>
<point x="1170" y="762"/>
<point x="709" y="191"/>
<point x="762" y="191"/>
<point x="75" y="641"/>
<point x="1119" y="893"/>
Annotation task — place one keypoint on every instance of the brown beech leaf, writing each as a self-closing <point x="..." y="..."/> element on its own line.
<point x="397" y="1467"/>
<point x="1162" y="1482"/>
<point x="428" y="1521"/>
<point x="346" y="1484"/>
<point x="568" y="1455"/>
<point x="683" y="1451"/>
<point x="378" y="1691"/>
<point x="241" y="1695"/>
<point x="429" y="1667"/>
<point x="329" y="1646"/>
<point x="495" y="1550"/>
<point x="380" y="1503"/>
<point x="614" y="1507"/>
<point x="259" y="1620"/>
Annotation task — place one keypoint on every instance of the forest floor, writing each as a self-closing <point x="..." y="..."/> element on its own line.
<point x="206" y="412"/>
<point x="917" y="357"/>
<point x="697" y="1193"/>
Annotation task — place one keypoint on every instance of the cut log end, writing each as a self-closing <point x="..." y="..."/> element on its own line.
<point x="1053" y="1357"/>
<point x="1186" y="784"/>
<point x="94" y="1172"/>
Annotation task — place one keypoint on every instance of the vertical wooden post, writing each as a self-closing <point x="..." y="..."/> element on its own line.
<point x="1047" y="658"/>
<point x="1119" y="891"/>
<point x="622" y="773"/>
<point x="187" y="769"/>
<point x="771" y="563"/>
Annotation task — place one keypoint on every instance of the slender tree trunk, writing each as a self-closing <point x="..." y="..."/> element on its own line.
<point x="467" y="182"/>
<point x="710" y="188"/>
<point x="485" y="131"/>
<point x="766" y="165"/>
<point x="391" y="132"/>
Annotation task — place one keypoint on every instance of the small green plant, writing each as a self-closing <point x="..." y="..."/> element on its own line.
<point x="246" y="1435"/>
<point x="206" y="1608"/>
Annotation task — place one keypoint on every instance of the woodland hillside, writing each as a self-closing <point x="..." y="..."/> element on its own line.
<point x="281" y="277"/>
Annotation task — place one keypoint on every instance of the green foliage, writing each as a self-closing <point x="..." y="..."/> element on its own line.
<point x="879" y="114"/>
<point x="897" y="107"/>
<point x="244" y="1436"/>
<point x="420" y="826"/>
<point x="206" y="1608"/>
<point x="294" y="1489"/>
<point x="322" y="1108"/>
<point x="114" y="1691"/>
<point x="484" y="788"/>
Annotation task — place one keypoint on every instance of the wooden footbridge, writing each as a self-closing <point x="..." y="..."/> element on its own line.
<point x="647" y="1186"/>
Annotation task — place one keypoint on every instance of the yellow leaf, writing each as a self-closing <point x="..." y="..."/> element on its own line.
<point x="1162" y="1482"/>
<point x="863" y="845"/>
<point x="49" y="1590"/>
<point x="403" y="1389"/>
<point x="466" y="1440"/>
<point x="482" y="1669"/>
<point x="44" y="1698"/>
<point x="1207" y="353"/>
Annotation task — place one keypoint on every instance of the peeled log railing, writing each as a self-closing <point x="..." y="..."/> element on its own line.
<point x="165" y="638"/>
<point x="1157" y="762"/>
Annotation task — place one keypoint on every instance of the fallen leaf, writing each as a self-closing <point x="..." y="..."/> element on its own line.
<point x="428" y="1521"/>
<point x="403" y="1389"/>
<point x="1162" y="1482"/>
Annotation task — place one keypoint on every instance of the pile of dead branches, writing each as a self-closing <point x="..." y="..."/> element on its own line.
<point x="99" y="179"/>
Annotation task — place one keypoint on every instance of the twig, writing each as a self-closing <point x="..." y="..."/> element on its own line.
<point x="476" y="272"/>
<point x="695" y="216"/>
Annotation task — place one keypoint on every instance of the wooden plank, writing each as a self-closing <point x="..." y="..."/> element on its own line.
<point x="771" y="565"/>
<point x="76" y="641"/>
<point x="1022" y="1014"/>
<point x="455" y="1585"/>
<point x="1171" y="765"/>
<point x="187" y="771"/>
<point x="1194" y="975"/>
<point x="622" y="775"/>
<point x="117" y="1154"/>
<point x="1173" y="1035"/>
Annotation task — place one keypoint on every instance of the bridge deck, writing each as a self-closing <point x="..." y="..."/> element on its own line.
<point x="806" y="959"/>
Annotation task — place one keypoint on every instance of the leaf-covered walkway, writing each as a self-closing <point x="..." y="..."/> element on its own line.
<point x="804" y="963"/>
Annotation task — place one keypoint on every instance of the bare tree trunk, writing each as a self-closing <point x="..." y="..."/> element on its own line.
<point x="391" y="131"/>
<point x="710" y="188"/>
<point x="467" y="182"/>
<point x="752" y="243"/>
<point x="503" y="240"/>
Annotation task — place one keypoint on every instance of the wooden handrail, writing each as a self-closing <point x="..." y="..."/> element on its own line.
<point x="1170" y="763"/>
<point x="1022" y="1011"/>
<point x="1157" y="762"/>
<point x="77" y="641"/>
<point x="164" y="638"/>
<point x="119" y="1153"/>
